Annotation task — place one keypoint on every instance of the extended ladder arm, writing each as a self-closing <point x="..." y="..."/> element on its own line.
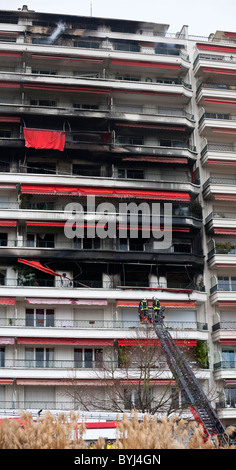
<point x="199" y="404"/>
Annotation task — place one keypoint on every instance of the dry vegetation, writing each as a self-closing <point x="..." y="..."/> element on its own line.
<point x="50" y="432"/>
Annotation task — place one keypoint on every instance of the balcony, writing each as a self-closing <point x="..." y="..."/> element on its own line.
<point x="38" y="283"/>
<point x="214" y="63"/>
<point x="210" y="123"/>
<point x="218" y="154"/>
<point x="15" y="323"/>
<point x="211" y="93"/>
<point x="222" y="257"/>
<point x="221" y="223"/>
<point x="220" y="188"/>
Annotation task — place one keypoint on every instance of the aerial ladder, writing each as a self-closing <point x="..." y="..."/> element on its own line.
<point x="191" y="389"/>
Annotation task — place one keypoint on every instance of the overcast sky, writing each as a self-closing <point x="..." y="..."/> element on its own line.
<point x="202" y="16"/>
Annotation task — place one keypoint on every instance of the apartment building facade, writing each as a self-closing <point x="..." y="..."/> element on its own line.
<point x="95" y="111"/>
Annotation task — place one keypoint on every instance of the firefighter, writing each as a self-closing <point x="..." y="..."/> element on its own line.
<point x="143" y="310"/>
<point x="156" y="309"/>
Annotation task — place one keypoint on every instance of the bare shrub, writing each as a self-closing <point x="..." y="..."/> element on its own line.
<point x="63" y="432"/>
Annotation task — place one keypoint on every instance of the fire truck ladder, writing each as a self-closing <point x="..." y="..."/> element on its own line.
<point x="190" y="387"/>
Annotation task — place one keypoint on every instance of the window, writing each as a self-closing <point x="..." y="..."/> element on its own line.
<point x="3" y="239"/>
<point x="182" y="248"/>
<point x="228" y="358"/>
<point x="39" y="317"/>
<point x="41" y="168"/>
<point x="226" y="283"/>
<point x="87" y="44"/>
<point x="43" y="103"/>
<point x="85" y="170"/>
<point x="2" y="357"/>
<point x="40" y="240"/>
<point x="44" y="72"/>
<point x="133" y="399"/>
<point x="180" y="210"/>
<point x="91" y="243"/>
<point x="126" y="46"/>
<point x="130" y="140"/>
<point x="172" y="143"/>
<point x="178" y="398"/>
<point x="88" y="358"/>
<point x="39" y="357"/>
<point x="85" y="106"/>
<point x="130" y="173"/>
<point x="230" y="394"/>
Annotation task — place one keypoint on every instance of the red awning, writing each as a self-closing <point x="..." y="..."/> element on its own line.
<point x="7" y="301"/>
<point x="154" y="126"/>
<point x="56" y="301"/>
<point x="150" y="382"/>
<point x="157" y="159"/>
<point x="9" y="119"/>
<point x="44" y="223"/>
<point x="67" y="88"/>
<point x="225" y="197"/>
<point x="219" y="101"/>
<point x="227" y="303"/>
<point x="228" y="342"/>
<point x="167" y="303"/>
<point x="6" y="340"/>
<point x="6" y="381"/>
<point x="140" y="63"/>
<point x="217" y="48"/>
<point x="225" y="231"/>
<point x="67" y="341"/>
<point x="220" y="70"/>
<point x="212" y="161"/>
<point x="230" y="382"/>
<point x="66" y="58"/>
<point x="8" y="223"/>
<point x="64" y="381"/>
<point x="9" y="54"/>
<point x="9" y="85"/>
<point x="37" y="265"/>
<point x="44" y="139"/>
<point x="103" y="192"/>
<point x="154" y="342"/>
<point x="220" y="130"/>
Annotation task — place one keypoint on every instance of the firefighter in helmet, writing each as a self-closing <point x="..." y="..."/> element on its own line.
<point x="143" y="310"/>
<point x="156" y="309"/>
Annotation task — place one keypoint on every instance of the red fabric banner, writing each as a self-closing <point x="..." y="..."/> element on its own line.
<point x="45" y="139"/>
<point x="37" y="265"/>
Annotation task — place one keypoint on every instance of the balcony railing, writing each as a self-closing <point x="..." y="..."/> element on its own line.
<point x="226" y="287"/>
<point x="220" y="215"/>
<point x="217" y="251"/>
<point x="225" y="117"/>
<point x="225" y="180"/>
<point x="224" y="325"/>
<point x="216" y="86"/>
<point x="114" y="246"/>
<point x="79" y="364"/>
<point x="225" y="365"/>
<point x="96" y="324"/>
<point x="97" y="284"/>
<point x="212" y="147"/>
<point x="214" y="58"/>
